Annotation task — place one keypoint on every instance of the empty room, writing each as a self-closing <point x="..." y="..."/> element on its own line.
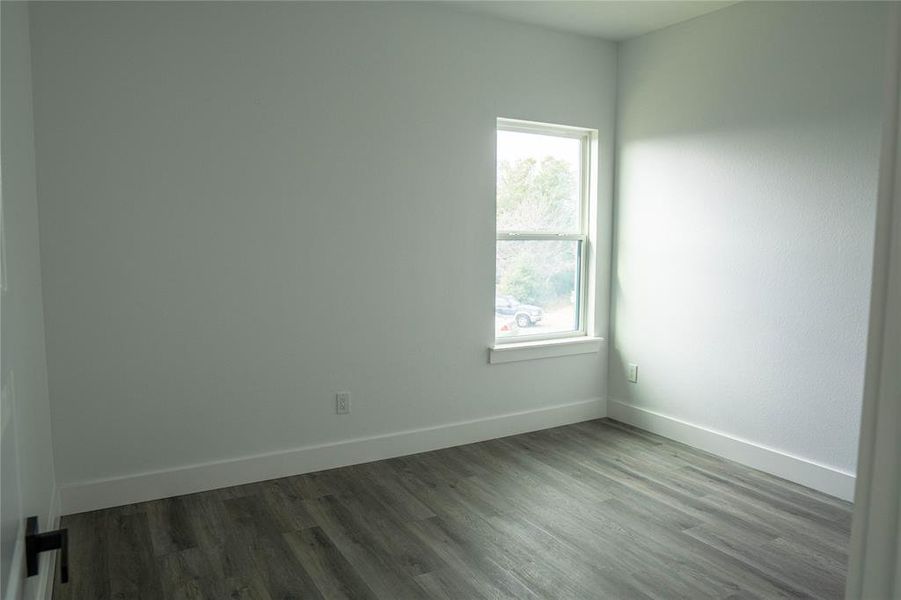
<point x="452" y="300"/>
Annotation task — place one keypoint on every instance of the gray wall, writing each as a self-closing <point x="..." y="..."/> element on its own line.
<point x="748" y="142"/>
<point x="248" y="207"/>
<point x="26" y="480"/>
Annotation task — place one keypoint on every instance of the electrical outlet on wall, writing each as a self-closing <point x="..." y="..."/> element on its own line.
<point x="632" y="373"/>
<point x="342" y="403"/>
<point x="7" y="401"/>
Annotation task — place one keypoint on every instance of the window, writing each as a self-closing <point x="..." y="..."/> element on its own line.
<point x="543" y="178"/>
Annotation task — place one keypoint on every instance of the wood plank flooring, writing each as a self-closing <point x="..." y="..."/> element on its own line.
<point x="593" y="510"/>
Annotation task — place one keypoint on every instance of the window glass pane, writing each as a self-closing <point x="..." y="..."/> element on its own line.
<point x="537" y="287"/>
<point x="538" y="179"/>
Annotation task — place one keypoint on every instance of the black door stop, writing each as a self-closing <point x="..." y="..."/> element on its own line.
<point x="35" y="543"/>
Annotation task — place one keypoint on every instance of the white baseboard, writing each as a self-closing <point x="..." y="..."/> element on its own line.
<point x="794" y="468"/>
<point x="105" y="493"/>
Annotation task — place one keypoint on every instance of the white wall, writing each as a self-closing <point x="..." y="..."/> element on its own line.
<point x="26" y="478"/>
<point x="748" y="142"/>
<point x="248" y="207"/>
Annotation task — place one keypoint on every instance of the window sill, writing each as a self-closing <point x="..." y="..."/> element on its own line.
<point x="503" y="353"/>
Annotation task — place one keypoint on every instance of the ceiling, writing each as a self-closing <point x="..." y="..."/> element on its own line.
<point x="600" y="18"/>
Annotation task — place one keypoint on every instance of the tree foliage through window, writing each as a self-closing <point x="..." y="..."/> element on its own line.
<point x="537" y="195"/>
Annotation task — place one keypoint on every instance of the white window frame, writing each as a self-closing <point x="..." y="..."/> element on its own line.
<point x="588" y="142"/>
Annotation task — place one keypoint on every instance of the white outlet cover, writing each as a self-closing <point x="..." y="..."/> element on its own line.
<point x="633" y="373"/>
<point x="342" y="403"/>
<point x="7" y="401"/>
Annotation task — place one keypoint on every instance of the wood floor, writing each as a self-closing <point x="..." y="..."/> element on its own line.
<point x="593" y="510"/>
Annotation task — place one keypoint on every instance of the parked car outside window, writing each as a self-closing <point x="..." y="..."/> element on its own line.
<point x="525" y="315"/>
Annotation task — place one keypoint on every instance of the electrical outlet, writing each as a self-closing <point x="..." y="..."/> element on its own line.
<point x="342" y="403"/>
<point x="632" y="373"/>
<point x="7" y="401"/>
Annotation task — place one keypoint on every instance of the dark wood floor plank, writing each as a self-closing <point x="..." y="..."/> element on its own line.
<point x="776" y="518"/>
<point x="209" y="519"/>
<point x="556" y="567"/>
<point x="820" y="514"/>
<point x="447" y="585"/>
<point x="88" y="557"/>
<point x="246" y="588"/>
<point x="286" y="504"/>
<point x="771" y="559"/>
<point x="192" y="574"/>
<point x="133" y="571"/>
<point x="383" y="483"/>
<point x="466" y="564"/>
<point x="387" y="578"/>
<point x="595" y="510"/>
<point x="489" y="525"/>
<point x="171" y="527"/>
<point x="258" y="550"/>
<point x="313" y="485"/>
<point x="389" y="536"/>
<point x="331" y="572"/>
<point x="697" y="560"/>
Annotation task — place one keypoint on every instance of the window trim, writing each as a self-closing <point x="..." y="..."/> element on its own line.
<point x="544" y="349"/>
<point x="588" y="145"/>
